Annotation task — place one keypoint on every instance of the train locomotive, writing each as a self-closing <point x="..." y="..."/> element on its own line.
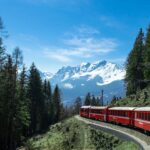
<point x="136" y="117"/>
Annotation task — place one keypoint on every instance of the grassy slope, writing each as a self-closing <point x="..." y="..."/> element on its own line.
<point x="73" y="134"/>
<point x="136" y="100"/>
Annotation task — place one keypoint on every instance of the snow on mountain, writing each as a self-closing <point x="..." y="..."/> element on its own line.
<point x="46" y="75"/>
<point x="89" y="77"/>
<point x="109" y="72"/>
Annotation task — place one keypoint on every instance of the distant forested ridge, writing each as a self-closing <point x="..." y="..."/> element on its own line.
<point x="27" y="104"/>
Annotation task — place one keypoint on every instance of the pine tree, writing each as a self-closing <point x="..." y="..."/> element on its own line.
<point x="147" y="57"/>
<point x="57" y="104"/>
<point x="98" y="102"/>
<point x="35" y="96"/>
<point x="48" y="112"/>
<point x="134" y="67"/>
<point x="8" y="100"/>
<point x="23" y="104"/>
<point x="93" y="101"/>
<point x="87" y="100"/>
<point x="77" y="105"/>
<point x="2" y="48"/>
<point x="49" y="103"/>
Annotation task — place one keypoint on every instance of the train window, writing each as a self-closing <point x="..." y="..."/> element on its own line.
<point x="124" y="114"/>
<point x="145" y="116"/>
<point x="137" y="115"/>
<point x="142" y="116"/>
<point x="148" y="116"/>
<point x="119" y="113"/>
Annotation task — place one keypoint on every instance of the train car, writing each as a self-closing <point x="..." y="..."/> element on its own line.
<point x="98" y="113"/>
<point x="142" y="118"/>
<point x="84" y="111"/>
<point x="121" y="115"/>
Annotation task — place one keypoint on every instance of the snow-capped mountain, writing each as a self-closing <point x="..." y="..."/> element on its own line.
<point x="89" y="77"/>
<point x="106" y="72"/>
<point x="46" y="75"/>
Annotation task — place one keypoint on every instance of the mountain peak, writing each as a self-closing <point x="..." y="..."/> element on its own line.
<point x="89" y="77"/>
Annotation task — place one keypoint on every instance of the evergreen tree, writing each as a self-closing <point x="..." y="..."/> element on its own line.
<point x="77" y="105"/>
<point x="57" y="104"/>
<point x="93" y="101"/>
<point x="49" y="103"/>
<point x="98" y="102"/>
<point x="134" y="67"/>
<point x="8" y="113"/>
<point x="2" y="48"/>
<point x="87" y="100"/>
<point x="114" y="100"/>
<point x="147" y="57"/>
<point x="35" y="96"/>
<point x="23" y="104"/>
<point x="48" y="112"/>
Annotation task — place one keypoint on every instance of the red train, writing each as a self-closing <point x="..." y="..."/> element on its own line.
<point x="137" y="117"/>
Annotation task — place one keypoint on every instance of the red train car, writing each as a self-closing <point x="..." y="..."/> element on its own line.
<point x="142" y="118"/>
<point x="138" y="117"/>
<point x="84" y="111"/>
<point x="98" y="113"/>
<point x="121" y="115"/>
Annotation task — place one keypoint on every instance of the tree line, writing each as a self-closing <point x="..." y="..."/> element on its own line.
<point x="138" y="64"/>
<point x="92" y="100"/>
<point x="27" y="104"/>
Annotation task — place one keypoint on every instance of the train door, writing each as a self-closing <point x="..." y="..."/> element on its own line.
<point x="105" y="114"/>
<point x="132" y="116"/>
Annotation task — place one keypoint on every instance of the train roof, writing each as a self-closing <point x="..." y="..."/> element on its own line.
<point x="85" y="106"/>
<point x="142" y="109"/>
<point x="122" y="108"/>
<point x="98" y="107"/>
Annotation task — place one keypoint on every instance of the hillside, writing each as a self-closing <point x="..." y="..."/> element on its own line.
<point x="141" y="98"/>
<point x="73" y="134"/>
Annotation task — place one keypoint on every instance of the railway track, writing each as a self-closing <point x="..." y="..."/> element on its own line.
<point x="122" y="132"/>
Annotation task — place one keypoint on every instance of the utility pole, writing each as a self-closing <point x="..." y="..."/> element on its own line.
<point x="102" y="94"/>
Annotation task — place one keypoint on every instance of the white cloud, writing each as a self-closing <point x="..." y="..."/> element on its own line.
<point x="81" y="44"/>
<point x="83" y="29"/>
<point x="92" y="44"/>
<point x="56" y="55"/>
<point x="68" y="86"/>
<point x="81" y="48"/>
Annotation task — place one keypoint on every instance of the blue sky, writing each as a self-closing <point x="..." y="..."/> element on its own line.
<point x="56" y="33"/>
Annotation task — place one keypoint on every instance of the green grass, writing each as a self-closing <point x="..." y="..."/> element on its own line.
<point x="127" y="146"/>
<point x="74" y="134"/>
